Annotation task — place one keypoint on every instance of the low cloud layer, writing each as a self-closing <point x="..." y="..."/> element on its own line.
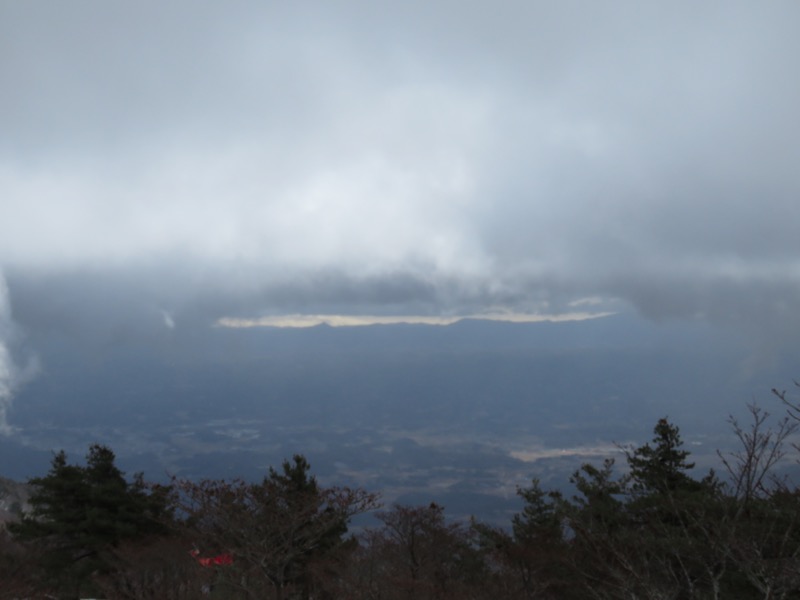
<point x="11" y="375"/>
<point x="195" y="160"/>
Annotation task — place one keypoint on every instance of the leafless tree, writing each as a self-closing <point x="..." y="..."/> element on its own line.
<point x="155" y="569"/>
<point x="273" y="530"/>
<point x="418" y="555"/>
<point x="751" y="468"/>
<point x="762" y="522"/>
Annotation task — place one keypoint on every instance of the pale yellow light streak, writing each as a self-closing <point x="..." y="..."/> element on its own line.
<point x="299" y="320"/>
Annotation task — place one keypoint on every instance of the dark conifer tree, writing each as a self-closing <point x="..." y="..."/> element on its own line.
<point x="662" y="467"/>
<point x="80" y="512"/>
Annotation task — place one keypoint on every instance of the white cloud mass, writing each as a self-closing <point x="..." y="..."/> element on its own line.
<point x="254" y="159"/>
<point x="11" y="375"/>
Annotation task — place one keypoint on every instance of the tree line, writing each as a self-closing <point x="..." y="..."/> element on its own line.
<point x="651" y="529"/>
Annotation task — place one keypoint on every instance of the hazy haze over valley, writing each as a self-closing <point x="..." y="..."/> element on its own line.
<point x="459" y="414"/>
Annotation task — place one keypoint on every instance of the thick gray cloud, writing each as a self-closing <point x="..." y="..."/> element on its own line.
<point x="258" y="158"/>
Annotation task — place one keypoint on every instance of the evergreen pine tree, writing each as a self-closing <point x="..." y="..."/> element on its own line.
<point x="78" y="513"/>
<point x="663" y="467"/>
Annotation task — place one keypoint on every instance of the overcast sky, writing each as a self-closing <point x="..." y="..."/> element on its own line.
<point x="251" y="159"/>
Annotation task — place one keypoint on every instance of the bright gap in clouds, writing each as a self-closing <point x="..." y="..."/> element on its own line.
<point x="299" y="321"/>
